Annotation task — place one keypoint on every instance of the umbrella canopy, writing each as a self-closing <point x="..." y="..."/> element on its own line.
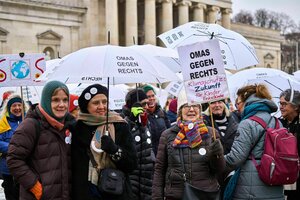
<point x="50" y="66"/>
<point x="166" y="55"/>
<point x="236" y="51"/>
<point x="275" y="80"/>
<point x="119" y="64"/>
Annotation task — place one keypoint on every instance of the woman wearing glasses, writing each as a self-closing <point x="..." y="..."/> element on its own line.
<point x="202" y="156"/>
<point x="289" y="105"/>
<point x="136" y="116"/>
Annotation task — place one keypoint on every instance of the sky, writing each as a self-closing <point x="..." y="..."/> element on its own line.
<point x="289" y="7"/>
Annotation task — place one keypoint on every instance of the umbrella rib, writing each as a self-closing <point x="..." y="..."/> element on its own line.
<point x="273" y="85"/>
<point x="251" y="52"/>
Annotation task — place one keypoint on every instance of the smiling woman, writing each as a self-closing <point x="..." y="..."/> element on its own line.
<point x="39" y="151"/>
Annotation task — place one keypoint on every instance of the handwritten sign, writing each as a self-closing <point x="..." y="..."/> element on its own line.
<point x="21" y="71"/>
<point x="203" y="72"/>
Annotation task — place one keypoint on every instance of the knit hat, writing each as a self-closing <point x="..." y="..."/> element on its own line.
<point x="181" y="99"/>
<point x="88" y="93"/>
<point x="47" y="94"/>
<point x="147" y="88"/>
<point x="173" y="106"/>
<point x="73" y="102"/>
<point x="11" y="100"/>
<point x="133" y="96"/>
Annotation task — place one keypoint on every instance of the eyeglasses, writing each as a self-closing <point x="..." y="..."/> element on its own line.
<point x="188" y="107"/>
<point x="144" y="104"/>
<point x="237" y="104"/>
<point x="283" y="104"/>
<point x="150" y="96"/>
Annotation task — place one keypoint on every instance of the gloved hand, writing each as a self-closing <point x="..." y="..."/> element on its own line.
<point x="136" y="110"/>
<point x="215" y="149"/>
<point x="37" y="190"/>
<point x="108" y="145"/>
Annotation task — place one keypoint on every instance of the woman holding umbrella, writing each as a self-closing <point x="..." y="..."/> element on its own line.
<point x="89" y="137"/>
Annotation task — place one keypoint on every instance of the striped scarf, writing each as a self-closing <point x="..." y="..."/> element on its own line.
<point x="190" y="134"/>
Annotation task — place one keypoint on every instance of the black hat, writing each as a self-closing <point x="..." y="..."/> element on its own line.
<point x="88" y="93"/>
<point x="135" y="95"/>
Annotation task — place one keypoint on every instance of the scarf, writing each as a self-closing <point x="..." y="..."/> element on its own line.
<point x="102" y="159"/>
<point x="190" y="134"/>
<point x="53" y="122"/>
<point x="252" y="109"/>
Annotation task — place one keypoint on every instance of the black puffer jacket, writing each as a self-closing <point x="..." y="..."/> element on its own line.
<point x="82" y="136"/>
<point x="49" y="161"/>
<point x="141" y="177"/>
<point x="158" y="122"/>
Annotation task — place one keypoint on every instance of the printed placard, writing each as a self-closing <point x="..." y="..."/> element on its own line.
<point x="21" y="71"/>
<point x="203" y="72"/>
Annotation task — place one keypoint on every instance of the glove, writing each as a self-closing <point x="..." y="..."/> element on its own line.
<point x="136" y="110"/>
<point x="215" y="149"/>
<point x="37" y="190"/>
<point x="108" y="145"/>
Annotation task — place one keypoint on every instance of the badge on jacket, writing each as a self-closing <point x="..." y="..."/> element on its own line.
<point x="68" y="138"/>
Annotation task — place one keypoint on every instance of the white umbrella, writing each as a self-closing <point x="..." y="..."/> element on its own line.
<point x="50" y="66"/>
<point x="119" y="64"/>
<point x="166" y="55"/>
<point x="275" y="80"/>
<point x="236" y="51"/>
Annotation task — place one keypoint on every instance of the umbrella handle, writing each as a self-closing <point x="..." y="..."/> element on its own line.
<point x="95" y="148"/>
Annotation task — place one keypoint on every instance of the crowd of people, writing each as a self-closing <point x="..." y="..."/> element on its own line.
<point x="75" y="147"/>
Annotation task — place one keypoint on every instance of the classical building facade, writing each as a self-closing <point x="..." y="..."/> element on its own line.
<point x="59" y="27"/>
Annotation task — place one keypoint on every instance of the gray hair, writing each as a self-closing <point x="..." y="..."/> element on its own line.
<point x="291" y="96"/>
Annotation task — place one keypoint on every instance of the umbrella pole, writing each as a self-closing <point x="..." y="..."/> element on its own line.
<point x="23" y="105"/>
<point x="212" y="122"/>
<point x="107" y="106"/>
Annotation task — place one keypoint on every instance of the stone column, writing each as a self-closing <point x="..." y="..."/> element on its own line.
<point x="167" y="14"/>
<point x="150" y="22"/>
<point x="212" y="14"/>
<point x="226" y="17"/>
<point x="131" y="22"/>
<point x="183" y="11"/>
<point x="112" y="21"/>
<point x="198" y="14"/>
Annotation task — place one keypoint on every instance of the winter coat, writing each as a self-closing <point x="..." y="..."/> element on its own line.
<point x="41" y="155"/>
<point x="172" y="117"/>
<point x="82" y="136"/>
<point x="294" y="127"/>
<point x="7" y="128"/>
<point x="168" y="175"/>
<point x="158" y="122"/>
<point x="230" y="132"/>
<point x="141" y="178"/>
<point x="250" y="140"/>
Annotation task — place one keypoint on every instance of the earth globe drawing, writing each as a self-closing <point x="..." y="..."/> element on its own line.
<point x="20" y="69"/>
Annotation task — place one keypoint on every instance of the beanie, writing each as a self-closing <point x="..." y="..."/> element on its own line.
<point x="181" y="99"/>
<point x="147" y="88"/>
<point x="173" y="106"/>
<point x="133" y="96"/>
<point x="73" y="102"/>
<point x="88" y="93"/>
<point x="47" y="94"/>
<point x="11" y="100"/>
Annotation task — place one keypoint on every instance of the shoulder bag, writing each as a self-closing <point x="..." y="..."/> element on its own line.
<point x="193" y="193"/>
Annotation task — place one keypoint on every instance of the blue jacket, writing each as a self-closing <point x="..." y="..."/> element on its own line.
<point x="7" y="128"/>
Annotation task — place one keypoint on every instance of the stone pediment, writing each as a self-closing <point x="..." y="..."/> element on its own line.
<point x="3" y="32"/>
<point x="269" y="56"/>
<point x="49" y="35"/>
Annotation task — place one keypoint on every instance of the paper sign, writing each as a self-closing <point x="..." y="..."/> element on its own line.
<point x="21" y="71"/>
<point x="203" y="72"/>
<point x="174" y="87"/>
